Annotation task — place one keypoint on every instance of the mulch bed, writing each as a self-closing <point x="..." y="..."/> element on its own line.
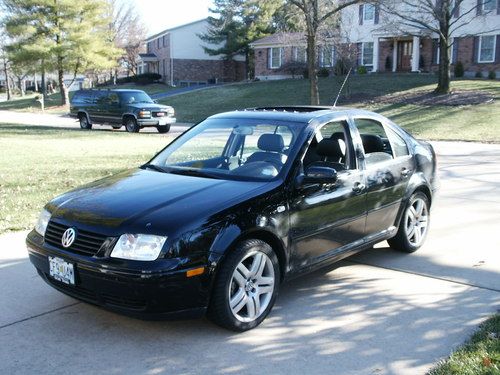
<point x="424" y="98"/>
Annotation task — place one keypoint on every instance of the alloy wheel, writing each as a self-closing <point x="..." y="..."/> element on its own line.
<point x="251" y="287"/>
<point x="416" y="221"/>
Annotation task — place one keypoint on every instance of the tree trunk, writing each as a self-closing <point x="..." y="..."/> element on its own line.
<point x="312" y="69"/>
<point x="20" y="83"/>
<point x="444" y="77"/>
<point x="7" y="84"/>
<point x="35" y="82"/>
<point x="42" y="82"/>
<point x="62" y="87"/>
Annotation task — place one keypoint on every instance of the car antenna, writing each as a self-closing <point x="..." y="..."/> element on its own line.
<point x="341" y="87"/>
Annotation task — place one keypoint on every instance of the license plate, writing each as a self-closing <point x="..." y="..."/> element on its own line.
<point x="62" y="270"/>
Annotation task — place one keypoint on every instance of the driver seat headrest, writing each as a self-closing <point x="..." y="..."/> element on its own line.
<point x="271" y="143"/>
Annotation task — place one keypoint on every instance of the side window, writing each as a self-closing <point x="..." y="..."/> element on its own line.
<point x="99" y="97"/>
<point x="399" y="145"/>
<point x="376" y="144"/>
<point x="330" y="145"/>
<point x="113" y="98"/>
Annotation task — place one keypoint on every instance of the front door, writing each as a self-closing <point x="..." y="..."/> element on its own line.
<point x="327" y="219"/>
<point x="405" y="48"/>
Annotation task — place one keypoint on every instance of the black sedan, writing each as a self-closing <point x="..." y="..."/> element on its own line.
<point x="231" y="208"/>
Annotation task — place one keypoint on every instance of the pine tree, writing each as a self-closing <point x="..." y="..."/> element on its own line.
<point x="68" y="36"/>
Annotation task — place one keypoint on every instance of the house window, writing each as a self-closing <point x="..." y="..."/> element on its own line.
<point x="299" y="54"/>
<point x="487" y="48"/>
<point x="326" y="57"/>
<point x="150" y="47"/>
<point x="164" y="40"/>
<point x="368" y="12"/>
<point x="275" y="57"/>
<point x="367" y="54"/>
<point x="452" y="51"/>
<point x="489" y="5"/>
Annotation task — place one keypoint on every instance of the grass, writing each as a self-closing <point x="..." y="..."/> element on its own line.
<point x="479" y="356"/>
<point x="28" y="103"/>
<point x="472" y="123"/>
<point x="38" y="163"/>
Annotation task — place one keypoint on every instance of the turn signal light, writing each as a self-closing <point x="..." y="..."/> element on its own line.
<point x="195" y="272"/>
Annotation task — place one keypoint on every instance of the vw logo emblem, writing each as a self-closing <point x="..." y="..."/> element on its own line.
<point x="68" y="237"/>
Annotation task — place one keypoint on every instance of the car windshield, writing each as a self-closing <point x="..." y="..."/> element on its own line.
<point x="135" y="97"/>
<point x="239" y="149"/>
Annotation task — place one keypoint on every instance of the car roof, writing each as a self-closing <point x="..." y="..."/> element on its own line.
<point x="303" y="114"/>
<point x="110" y="90"/>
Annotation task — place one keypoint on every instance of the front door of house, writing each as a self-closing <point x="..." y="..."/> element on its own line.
<point x="405" y="48"/>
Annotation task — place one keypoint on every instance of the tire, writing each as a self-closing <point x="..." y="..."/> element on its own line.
<point x="131" y="125"/>
<point x="249" y="277"/>
<point x="163" y="129"/>
<point x="414" y="224"/>
<point x="84" y="122"/>
<point x="116" y="127"/>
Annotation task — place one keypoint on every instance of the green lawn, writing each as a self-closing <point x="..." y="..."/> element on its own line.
<point x="479" y="356"/>
<point x="474" y="123"/>
<point x="38" y="163"/>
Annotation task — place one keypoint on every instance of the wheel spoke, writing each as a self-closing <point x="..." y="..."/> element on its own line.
<point x="253" y="307"/>
<point x="240" y="279"/>
<point x="418" y="235"/>
<point x="411" y="232"/>
<point x="266" y="289"/>
<point x="238" y="301"/>
<point x="412" y="212"/>
<point x="257" y="265"/>
<point x="243" y="270"/>
<point x="419" y="206"/>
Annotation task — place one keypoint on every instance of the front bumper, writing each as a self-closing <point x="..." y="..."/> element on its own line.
<point x="138" y="293"/>
<point x="156" y="121"/>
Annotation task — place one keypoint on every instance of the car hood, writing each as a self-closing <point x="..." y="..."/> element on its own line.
<point x="148" y="200"/>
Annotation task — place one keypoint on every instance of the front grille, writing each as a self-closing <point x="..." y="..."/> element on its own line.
<point x="159" y="114"/>
<point x="86" y="243"/>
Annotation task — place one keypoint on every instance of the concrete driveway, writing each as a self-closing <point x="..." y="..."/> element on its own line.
<point x="66" y="122"/>
<point x="380" y="312"/>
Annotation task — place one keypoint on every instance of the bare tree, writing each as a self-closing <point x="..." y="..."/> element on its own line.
<point x="5" y="63"/>
<point x="127" y="32"/>
<point x="316" y="15"/>
<point x="442" y="17"/>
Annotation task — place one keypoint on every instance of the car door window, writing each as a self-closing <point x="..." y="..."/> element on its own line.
<point x="331" y="144"/>
<point x="100" y="97"/>
<point x="376" y="145"/>
<point x="113" y="98"/>
<point x="398" y="144"/>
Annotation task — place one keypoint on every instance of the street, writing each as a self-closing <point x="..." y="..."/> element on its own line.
<point x="379" y="312"/>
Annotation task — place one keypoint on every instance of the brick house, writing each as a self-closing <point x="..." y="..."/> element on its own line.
<point x="177" y="54"/>
<point x="372" y="38"/>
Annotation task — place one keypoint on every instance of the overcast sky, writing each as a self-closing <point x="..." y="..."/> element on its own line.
<point x="159" y="15"/>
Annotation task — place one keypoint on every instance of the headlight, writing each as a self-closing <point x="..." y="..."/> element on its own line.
<point x="43" y="221"/>
<point x="171" y="111"/>
<point x="138" y="246"/>
<point x="145" y="114"/>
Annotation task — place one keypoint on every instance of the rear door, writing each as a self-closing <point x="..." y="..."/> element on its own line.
<point x="388" y="167"/>
<point x="113" y="111"/>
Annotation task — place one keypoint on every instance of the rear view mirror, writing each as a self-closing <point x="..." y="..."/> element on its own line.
<point x="243" y="130"/>
<point x="320" y="175"/>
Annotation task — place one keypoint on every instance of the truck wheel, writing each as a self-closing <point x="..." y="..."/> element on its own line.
<point x="84" y="122"/>
<point x="131" y="125"/>
<point x="163" y="129"/>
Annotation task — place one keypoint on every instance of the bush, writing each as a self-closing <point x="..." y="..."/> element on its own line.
<point x="323" y="72"/>
<point x="341" y="67"/>
<point x="459" y="69"/>
<point x="362" y="69"/>
<point x="479" y="74"/>
<point x="388" y="64"/>
<point x="141" y="79"/>
<point x="305" y="73"/>
<point x="492" y="74"/>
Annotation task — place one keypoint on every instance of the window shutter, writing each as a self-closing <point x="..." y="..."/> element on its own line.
<point x="361" y="13"/>
<point x="498" y="6"/>
<point x="359" y="47"/>
<point x="478" y="7"/>
<point x="377" y="14"/>
<point x="475" y="50"/>
<point x="434" y="51"/>
<point x="269" y="57"/>
<point x="497" y="56"/>
<point x="454" y="58"/>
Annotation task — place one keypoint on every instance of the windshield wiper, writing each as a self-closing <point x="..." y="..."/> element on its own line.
<point x="155" y="168"/>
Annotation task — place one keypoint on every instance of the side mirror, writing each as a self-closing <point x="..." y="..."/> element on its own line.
<point x="320" y="175"/>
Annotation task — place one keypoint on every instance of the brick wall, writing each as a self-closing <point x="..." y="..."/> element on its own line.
<point x="385" y="52"/>
<point x="204" y="70"/>
<point x="163" y="53"/>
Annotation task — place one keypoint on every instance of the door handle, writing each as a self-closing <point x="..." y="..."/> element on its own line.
<point x="358" y="187"/>
<point x="405" y="172"/>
